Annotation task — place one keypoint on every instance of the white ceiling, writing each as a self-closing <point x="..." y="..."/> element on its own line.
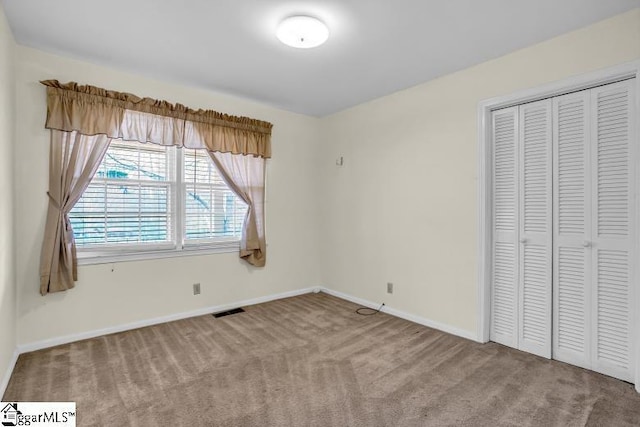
<point x="376" y="47"/>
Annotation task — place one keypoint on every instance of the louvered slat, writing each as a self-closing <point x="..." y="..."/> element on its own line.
<point x="536" y="146"/>
<point x="504" y="294"/>
<point x="613" y="337"/>
<point x="613" y="163"/>
<point x="504" y="171"/>
<point x="571" y="171"/>
<point x="535" y="294"/>
<point x="571" y="320"/>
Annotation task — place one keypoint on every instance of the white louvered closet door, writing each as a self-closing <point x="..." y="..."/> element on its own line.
<point x="565" y="221"/>
<point x="504" y="298"/>
<point x="572" y="229"/>
<point x="612" y="229"/>
<point x="593" y="229"/>
<point x="535" y="231"/>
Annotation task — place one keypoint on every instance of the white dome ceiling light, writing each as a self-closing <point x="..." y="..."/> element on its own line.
<point x="302" y="32"/>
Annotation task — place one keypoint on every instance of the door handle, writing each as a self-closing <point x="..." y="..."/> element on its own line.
<point x="586" y="244"/>
<point x="523" y="240"/>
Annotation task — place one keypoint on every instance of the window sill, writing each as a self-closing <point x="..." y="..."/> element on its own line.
<point x="93" y="257"/>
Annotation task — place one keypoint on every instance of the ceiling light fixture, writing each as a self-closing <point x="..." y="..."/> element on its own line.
<point x="302" y="32"/>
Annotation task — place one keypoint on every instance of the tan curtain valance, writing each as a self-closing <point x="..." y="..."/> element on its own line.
<point x="91" y="110"/>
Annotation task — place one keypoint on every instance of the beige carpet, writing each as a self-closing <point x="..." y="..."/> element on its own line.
<point x="311" y="361"/>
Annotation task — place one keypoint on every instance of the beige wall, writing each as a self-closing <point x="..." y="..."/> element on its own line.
<point x="403" y="208"/>
<point x="7" y="259"/>
<point x="136" y="291"/>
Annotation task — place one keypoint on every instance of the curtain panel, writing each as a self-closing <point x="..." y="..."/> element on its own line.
<point x="73" y="160"/>
<point x="245" y="175"/>
<point x="84" y="119"/>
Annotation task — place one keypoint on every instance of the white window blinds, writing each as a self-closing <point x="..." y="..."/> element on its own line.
<point x="212" y="212"/>
<point x="129" y="200"/>
<point x="147" y="197"/>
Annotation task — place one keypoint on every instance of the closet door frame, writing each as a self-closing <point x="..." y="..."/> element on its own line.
<point x="485" y="182"/>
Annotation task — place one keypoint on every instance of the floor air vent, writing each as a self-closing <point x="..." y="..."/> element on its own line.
<point x="227" y="313"/>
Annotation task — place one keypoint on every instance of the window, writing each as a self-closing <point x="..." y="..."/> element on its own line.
<point x="151" y="199"/>
<point x="212" y="211"/>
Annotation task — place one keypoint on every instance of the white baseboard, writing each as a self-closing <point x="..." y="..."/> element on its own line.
<point x="7" y="374"/>
<point x="407" y="316"/>
<point x="52" y="342"/>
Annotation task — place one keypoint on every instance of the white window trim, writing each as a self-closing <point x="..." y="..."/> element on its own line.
<point x="103" y="257"/>
<point x="93" y="255"/>
<point x="572" y="84"/>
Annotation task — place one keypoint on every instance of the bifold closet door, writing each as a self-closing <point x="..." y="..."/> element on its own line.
<point x="504" y="289"/>
<point x="594" y="217"/>
<point x="564" y="227"/>
<point x="521" y="286"/>
<point x="572" y="229"/>
<point x="613" y="229"/>
<point x="535" y="227"/>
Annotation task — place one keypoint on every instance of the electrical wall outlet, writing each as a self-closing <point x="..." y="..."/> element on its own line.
<point x="196" y="288"/>
<point x="389" y="287"/>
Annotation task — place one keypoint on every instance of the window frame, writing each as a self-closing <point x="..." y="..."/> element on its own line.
<point x="122" y="252"/>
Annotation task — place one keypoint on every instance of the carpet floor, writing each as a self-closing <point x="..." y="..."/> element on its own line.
<point x="311" y="361"/>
